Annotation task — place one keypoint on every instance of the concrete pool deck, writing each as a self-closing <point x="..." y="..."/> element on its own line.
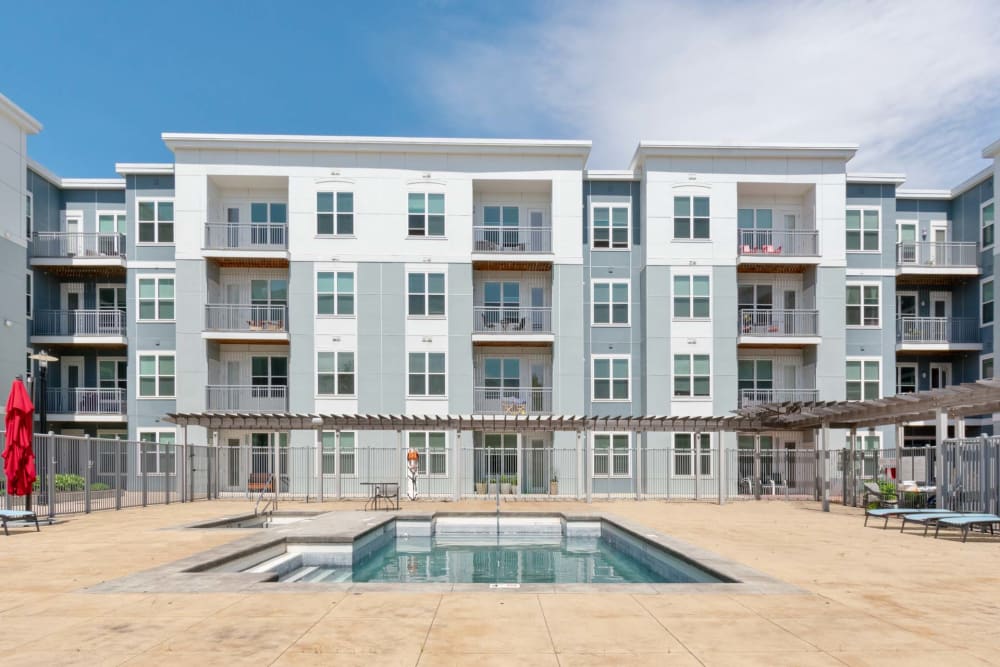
<point x="870" y="597"/>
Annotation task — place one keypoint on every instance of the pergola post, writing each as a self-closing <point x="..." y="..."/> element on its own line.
<point x="588" y="478"/>
<point x="696" y="461"/>
<point x="218" y="462"/>
<point x="579" y="468"/>
<point x="940" y="434"/>
<point x="824" y="462"/>
<point x="959" y="427"/>
<point x="720" y="470"/>
<point x="456" y="465"/>
<point x="318" y="457"/>
<point x="852" y="451"/>
<point x="338" y="478"/>
<point x="637" y="468"/>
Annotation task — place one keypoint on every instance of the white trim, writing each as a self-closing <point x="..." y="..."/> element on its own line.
<point x="610" y="175"/>
<point x="916" y="374"/>
<point x="682" y="192"/>
<point x="29" y="293"/>
<point x="863" y="360"/>
<point x="156" y="222"/>
<point x="711" y="295"/>
<point x="335" y="212"/>
<point x="119" y="213"/>
<point x="916" y="302"/>
<point x="862" y="284"/>
<point x="982" y="208"/>
<point x="861" y="230"/>
<point x="611" y="206"/>
<point x="406" y="291"/>
<point x="611" y="389"/>
<point x="336" y="315"/>
<point x="983" y="358"/>
<point x="886" y="177"/>
<point x="427" y="375"/>
<point x="144" y="168"/>
<point x="336" y="374"/>
<point x="156" y="277"/>
<point x="22" y="118"/>
<point x="692" y="376"/>
<point x="29" y="212"/>
<point x="692" y="455"/>
<point x="138" y="373"/>
<point x="169" y="265"/>
<point x="659" y="148"/>
<point x="945" y="366"/>
<point x="92" y="183"/>
<point x="628" y="304"/>
<point x="611" y="456"/>
<point x="993" y="319"/>
<point x="928" y="193"/>
<point x="139" y="432"/>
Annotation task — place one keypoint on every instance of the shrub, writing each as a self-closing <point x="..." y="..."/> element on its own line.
<point x="69" y="482"/>
<point x="99" y="486"/>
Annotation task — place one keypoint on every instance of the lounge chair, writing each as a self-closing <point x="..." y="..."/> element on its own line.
<point x="926" y="519"/>
<point x="886" y="500"/>
<point x="892" y="512"/>
<point x="966" y="522"/>
<point x="18" y="515"/>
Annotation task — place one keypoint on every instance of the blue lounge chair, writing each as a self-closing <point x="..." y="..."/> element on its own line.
<point x="968" y="521"/>
<point x="893" y="512"/>
<point x="925" y="519"/>
<point x="18" y="515"/>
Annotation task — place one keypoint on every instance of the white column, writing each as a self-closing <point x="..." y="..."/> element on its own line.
<point x="318" y="457"/>
<point x="588" y="477"/>
<point x="853" y="448"/>
<point x="695" y="454"/>
<point x="720" y="469"/>
<point x="940" y="434"/>
<point x="579" y="468"/>
<point x="338" y="478"/>
<point x="456" y="465"/>
<point x="960" y="426"/>
<point x="825" y="468"/>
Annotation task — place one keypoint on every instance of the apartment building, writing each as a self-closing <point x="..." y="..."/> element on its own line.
<point x="270" y="273"/>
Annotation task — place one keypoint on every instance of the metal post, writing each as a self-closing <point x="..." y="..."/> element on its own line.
<point x="86" y="477"/>
<point x="167" y="484"/>
<point x="118" y="444"/>
<point x="695" y="457"/>
<point x="755" y="482"/>
<point x="318" y="457"/>
<point x="852" y="452"/>
<point x="587" y="462"/>
<point x="144" y="472"/>
<point x="637" y="467"/>
<point x="940" y="433"/>
<point x="51" y="479"/>
<point x="276" y="468"/>
<point x="721" y="470"/>
<point x="338" y="479"/>
<point x="456" y="465"/>
<point x="218" y="462"/>
<point x="189" y="469"/>
<point x="825" y="467"/>
<point x="579" y="468"/>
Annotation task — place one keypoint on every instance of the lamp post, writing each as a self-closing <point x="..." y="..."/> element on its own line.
<point x="43" y="360"/>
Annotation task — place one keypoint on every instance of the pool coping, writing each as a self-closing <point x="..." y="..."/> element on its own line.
<point x="195" y="573"/>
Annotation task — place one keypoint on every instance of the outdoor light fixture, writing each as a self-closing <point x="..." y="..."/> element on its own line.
<point x="7" y="323"/>
<point x="43" y="360"/>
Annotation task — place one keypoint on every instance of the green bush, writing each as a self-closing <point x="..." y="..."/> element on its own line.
<point x="69" y="483"/>
<point x="98" y="486"/>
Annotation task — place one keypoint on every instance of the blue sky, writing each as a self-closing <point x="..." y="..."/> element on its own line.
<point x="917" y="84"/>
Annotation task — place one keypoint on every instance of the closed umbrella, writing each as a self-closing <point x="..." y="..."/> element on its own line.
<point x="18" y="457"/>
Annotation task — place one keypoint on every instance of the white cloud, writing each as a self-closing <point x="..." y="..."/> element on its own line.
<point x="917" y="84"/>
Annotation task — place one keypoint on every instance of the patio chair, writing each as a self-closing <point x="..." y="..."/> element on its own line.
<point x="966" y="522"/>
<point x="872" y="491"/>
<point x="18" y="515"/>
<point x="893" y="512"/>
<point x="926" y="519"/>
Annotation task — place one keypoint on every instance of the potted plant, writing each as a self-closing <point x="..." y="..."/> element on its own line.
<point x="504" y="484"/>
<point x="481" y="487"/>
<point x="492" y="488"/>
<point x="554" y="486"/>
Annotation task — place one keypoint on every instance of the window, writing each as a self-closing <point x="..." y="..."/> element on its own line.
<point x="691" y="297"/>
<point x="755" y="380"/>
<point x="612" y="378"/>
<point x="335" y="293"/>
<point x="157" y="452"/>
<point x="335" y="213"/>
<point x="610" y="227"/>
<point x="432" y="446"/>
<point x="267" y="372"/>
<point x="987" y="302"/>
<point x="684" y="456"/>
<point x="427" y="374"/>
<point x="28" y="279"/>
<point x="611" y="302"/>
<point x="112" y="373"/>
<point x="156" y="222"/>
<point x="863" y="379"/>
<point x="986" y="368"/>
<point x="692" y="375"/>
<point x="867" y="441"/>
<point x="28" y="214"/>
<point x="611" y="455"/>
<point x="691" y="218"/>
<point x="426" y="214"/>
<point x="156" y="375"/>
<point x="425" y="292"/>
<point x="862" y="229"/>
<point x="347" y="453"/>
<point x="335" y="373"/>
<point x="906" y="378"/>
<point x="863" y="305"/>
<point x="111" y="223"/>
<point x="156" y="298"/>
<point x="987" y="217"/>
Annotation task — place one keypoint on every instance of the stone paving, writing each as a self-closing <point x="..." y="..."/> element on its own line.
<point x="872" y="597"/>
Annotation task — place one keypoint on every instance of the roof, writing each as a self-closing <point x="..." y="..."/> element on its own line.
<point x="76" y="183"/>
<point x="857" y="177"/>
<point x="993" y="150"/>
<point x="22" y="118"/>
<point x="157" y="168"/>
<point x="760" y="150"/>
<point x="971" y="182"/>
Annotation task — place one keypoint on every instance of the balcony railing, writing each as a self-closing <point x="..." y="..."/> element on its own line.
<point x="246" y="318"/>
<point x="512" y="320"/>
<point x="250" y="398"/>
<point x="78" y="245"/>
<point x="79" y="323"/>
<point x="512" y="401"/>
<point x="86" y="401"/>
<point x="926" y="254"/>
<point x="770" y="323"/>
<point x="246" y="236"/>
<point x="779" y="242"/>
<point x="494" y="239"/>
<point x="937" y="330"/>
<point x="752" y="397"/>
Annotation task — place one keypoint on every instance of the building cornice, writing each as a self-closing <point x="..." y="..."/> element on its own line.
<point x="993" y="150"/>
<point x="22" y="118"/>
<point x="144" y="168"/>
<point x="896" y="179"/>
<point x="647" y="148"/>
<point x="76" y="183"/>
<point x="610" y="175"/>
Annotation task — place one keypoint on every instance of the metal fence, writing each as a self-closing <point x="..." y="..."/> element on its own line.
<point x="510" y="239"/>
<point x="79" y="323"/>
<point x="937" y="330"/>
<point x="779" y="242"/>
<point x="778" y="322"/>
<point x="246" y="317"/>
<point x="246" y="236"/>
<point x="512" y="320"/>
<point x="79" y="245"/>
<point x="937" y="254"/>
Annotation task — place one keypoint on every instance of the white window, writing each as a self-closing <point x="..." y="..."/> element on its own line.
<point x="156" y="221"/>
<point x="427" y="374"/>
<point x="862" y="229"/>
<point x="335" y="374"/>
<point x="425" y="294"/>
<point x="335" y="293"/>
<point x="691" y="297"/>
<point x="684" y="455"/>
<point x="867" y="441"/>
<point x="111" y="222"/>
<point x="28" y="284"/>
<point x="335" y="213"/>
<point x="610" y="227"/>
<point x="986" y="299"/>
<point x="987" y="216"/>
<point x="426" y="214"/>
<point x="864" y="379"/>
<point x="692" y="218"/>
<point x="692" y="375"/>
<point x="432" y="450"/>
<point x="864" y="302"/>
<point x="29" y="214"/>
<point x="986" y="367"/>
<point x="157" y="455"/>
<point x="611" y="302"/>
<point x="612" y="378"/>
<point x="906" y="378"/>
<point x="612" y="457"/>
<point x="347" y="453"/>
<point x="156" y="298"/>
<point x="157" y="375"/>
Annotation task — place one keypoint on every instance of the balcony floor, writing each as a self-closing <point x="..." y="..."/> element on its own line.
<point x="932" y="348"/>
<point x="103" y="341"/>
<point x="281" y="337"/>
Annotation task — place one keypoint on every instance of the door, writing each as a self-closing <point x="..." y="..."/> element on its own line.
<point x="233" y="226"/>
<point x="74" y="235"/>
<point x="755" y="304"/>
<point x="73" y="380"/>
<point x="940" y="307"/>
<point x="539" y="394"/>
<point x="906" y="248"/>
<point x="792" y="326"/>
<point x="73" y="301"/>
<point x="233" y="382"/>
<point x="537" y="309"/>
<point x="790" y="379"/>
<point x="755" y="381"/>
<point x="539" y="239"/>
<point x="906" y="304"/>
<point x="940" y="375"/>
<point x="939" y="244"/>
<point x="502" y="386"/>
<point x="233" y="462"/>
<point x="536" y="467"/>
<point x="112" y="375"/>
<point x="111" y="307"/>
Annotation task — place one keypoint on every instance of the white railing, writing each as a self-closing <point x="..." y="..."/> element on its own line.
<point x="778" y="322"/>
<point x="779" y="242"/>
<point x="252" y="398"/>
<point x="937" y="330"/>
<point x="78" y="323"/>
<point x="246" y="236"/>
<point x="496" y="239"/>
<point x="512" y="319"/>
<point x="752" y="397"/>
<point x="79" y="245"/>
<point x="939" y="255"/>
<point x="512" y="401"/>
<point x="246" y="317"/>
<point x="86" y="401"/>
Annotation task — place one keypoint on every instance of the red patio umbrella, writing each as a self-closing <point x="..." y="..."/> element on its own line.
<point x="18" y="457"/>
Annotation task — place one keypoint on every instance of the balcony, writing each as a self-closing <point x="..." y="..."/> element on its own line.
<point x="246" y="322"/>
<point x="939" y="259"/>
<point x="265" y="239"/>
<point x="246" y="398"/>
<point x="512" y="401"/>
<point x="764" y="326"/>
<point x="514" y="322"/>
<point x="936" y="334"/>
<point x="753" y="397"/>
<point x="92" y="327"/>
<point x="78" y="249"/>
<point x="777" y="246"/>
<point x="86" y="404"/>
<point x="520" y="240"/>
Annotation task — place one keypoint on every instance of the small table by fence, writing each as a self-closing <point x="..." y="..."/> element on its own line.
<point x="386" y="491"/>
